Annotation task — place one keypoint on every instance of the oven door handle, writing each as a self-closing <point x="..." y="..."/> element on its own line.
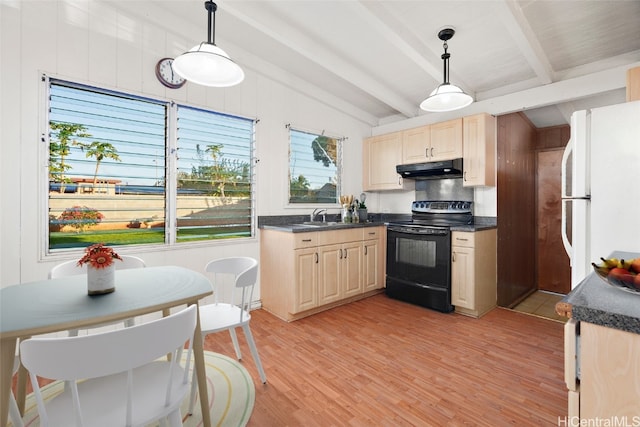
<point x="409" y="230"/>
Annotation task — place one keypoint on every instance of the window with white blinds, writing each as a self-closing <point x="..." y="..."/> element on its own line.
<point x="314" y="168"/>
<point x="110" y="179"/>
<point x="214" y="165"/>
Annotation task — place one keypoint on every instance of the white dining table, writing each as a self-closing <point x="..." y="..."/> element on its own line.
<point x="55" y="305"/>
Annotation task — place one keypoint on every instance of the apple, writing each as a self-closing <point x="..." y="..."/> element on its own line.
<point x="635" y="265"/>
<point x="620" y="276"/>
<point x="636" y="281"/>
<point x="618" y="273"/>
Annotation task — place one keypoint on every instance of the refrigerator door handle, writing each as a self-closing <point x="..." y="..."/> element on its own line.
<point x="563" y="169"/>
<point x="563" y="228"/>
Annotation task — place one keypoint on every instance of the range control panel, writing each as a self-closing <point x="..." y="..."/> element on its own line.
<point x="441" y="206"/>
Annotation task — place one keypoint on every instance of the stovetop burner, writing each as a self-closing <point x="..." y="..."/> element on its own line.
<point x="441" y="206"/>
<point x="440" y="213"/>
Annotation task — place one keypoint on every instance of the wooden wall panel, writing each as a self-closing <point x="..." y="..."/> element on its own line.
<point x="516" y="209"/>
<point x="553" y="137"/>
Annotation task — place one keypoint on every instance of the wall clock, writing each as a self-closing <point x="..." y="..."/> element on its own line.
<point x="166" y="75"/>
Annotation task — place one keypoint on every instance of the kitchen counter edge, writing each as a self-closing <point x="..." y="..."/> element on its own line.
<point x="293" y="228"/>
<point x="596" y="302"/>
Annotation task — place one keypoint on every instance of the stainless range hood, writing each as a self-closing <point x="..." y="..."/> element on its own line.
<point x="432" y="170"/>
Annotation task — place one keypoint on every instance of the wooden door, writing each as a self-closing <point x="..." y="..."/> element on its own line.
<point x="553" y="270"/>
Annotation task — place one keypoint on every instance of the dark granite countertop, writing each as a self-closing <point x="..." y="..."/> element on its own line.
<point x="596" y="302"/>
<point x="473" y="227"/>
<point x="299" y="228"/>
<point x="288" y="223"/>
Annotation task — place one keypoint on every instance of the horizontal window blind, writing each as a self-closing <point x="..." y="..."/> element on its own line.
<point x="109" y="179"/>
<point x="313" y="167"/>
<point x="214" y="165"/>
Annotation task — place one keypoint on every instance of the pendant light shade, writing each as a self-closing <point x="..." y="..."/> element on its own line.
<point x="446" y="97"/>
<point x="206" y="64"/>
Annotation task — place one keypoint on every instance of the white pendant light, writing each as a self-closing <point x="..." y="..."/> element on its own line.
<point x="206" y="64"/>
<point x="446" y="97"/>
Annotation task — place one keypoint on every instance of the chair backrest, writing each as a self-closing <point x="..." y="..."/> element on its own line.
<point x="93" y="356"/>
<point x="245" y="272"/>
<point x="71" y="268"/>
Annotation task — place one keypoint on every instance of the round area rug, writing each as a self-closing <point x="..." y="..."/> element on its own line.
<point x="231" y="395"/>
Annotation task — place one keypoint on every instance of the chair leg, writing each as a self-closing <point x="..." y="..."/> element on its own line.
<point x="234" y="338"/>
<point x="254" y="352"/>
<point x="14" y="412"/>
<point x="194" y="389"/>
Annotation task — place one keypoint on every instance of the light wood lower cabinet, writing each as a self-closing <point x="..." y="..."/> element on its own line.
<point x="473" y="272"/>
<point x="305" y="273"/>
<point x="306" y="279"/>
<point x="373" y="272"/>
<point x="609" y="374"/>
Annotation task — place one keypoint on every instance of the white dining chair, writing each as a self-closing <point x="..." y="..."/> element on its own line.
<point x="227" y="316"/>
<point x="71" y="268"/>
<point x="14" y="412"/>
<point x="111" y="387"/>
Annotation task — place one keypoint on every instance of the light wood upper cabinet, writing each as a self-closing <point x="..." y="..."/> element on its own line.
<point x="446" y="140"/>
<point x="479" y="157"/>
<point x="432" y="143"/>
<point x="416" y="145"/>
<point x="381" y="154"/>
<point x="472" y="138"/>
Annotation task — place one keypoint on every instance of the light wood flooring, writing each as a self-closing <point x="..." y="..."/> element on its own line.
<point x="382" y="362"/>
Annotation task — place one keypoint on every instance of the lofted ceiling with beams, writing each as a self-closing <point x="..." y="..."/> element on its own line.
<point x="376" y="60"/>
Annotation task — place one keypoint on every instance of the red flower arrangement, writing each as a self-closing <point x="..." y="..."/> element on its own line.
<point x="99" y="256"/>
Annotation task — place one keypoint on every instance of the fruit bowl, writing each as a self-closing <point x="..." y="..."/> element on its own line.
<point x="618" y="277"/>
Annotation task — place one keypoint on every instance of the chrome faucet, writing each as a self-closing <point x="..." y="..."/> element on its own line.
<point x="317" y="212"/>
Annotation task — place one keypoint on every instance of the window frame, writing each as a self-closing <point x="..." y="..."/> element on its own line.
<point x="170" y="158"/>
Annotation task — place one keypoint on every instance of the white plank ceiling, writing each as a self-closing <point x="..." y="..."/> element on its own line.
<point x="376" y="60"/>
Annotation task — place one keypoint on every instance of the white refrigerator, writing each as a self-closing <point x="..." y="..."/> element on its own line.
<point x="601" y="186"/>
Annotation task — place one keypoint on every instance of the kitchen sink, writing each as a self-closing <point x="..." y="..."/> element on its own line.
<point x="313" y="224"/>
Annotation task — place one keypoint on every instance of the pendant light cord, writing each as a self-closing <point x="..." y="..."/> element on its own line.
<point x="445" y="56"/>
<point x="211" y="7"/>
